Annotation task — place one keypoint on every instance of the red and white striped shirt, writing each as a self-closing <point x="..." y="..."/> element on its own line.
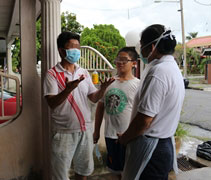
<point x="74" y="114"/>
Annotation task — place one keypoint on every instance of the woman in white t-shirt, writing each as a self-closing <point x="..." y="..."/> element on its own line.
<point x="156" y="109"/>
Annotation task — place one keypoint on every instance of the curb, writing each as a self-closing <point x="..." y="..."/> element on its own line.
<point x="195" y="88"/>
<point x="201" y="89"/>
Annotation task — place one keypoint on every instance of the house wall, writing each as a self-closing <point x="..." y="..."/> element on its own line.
<point x="209" y="74"/>
<point x="21" y="141"/>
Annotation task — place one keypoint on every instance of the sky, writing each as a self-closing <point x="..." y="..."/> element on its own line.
<point x="135" y="15"/>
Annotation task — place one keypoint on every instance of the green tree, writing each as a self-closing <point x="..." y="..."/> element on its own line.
<point x="69" y="23"/>
<point x="193" y="61"/>
<point x="38" y="39"/>
<point x="15" y="54"/>
<point x="191" y="35"/>
<point x="105" y="38"/>
<point x="178" y="54"/>
<point x="202" y="65"/>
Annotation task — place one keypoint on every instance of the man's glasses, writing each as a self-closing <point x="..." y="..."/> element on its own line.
<point x="122" y="60"/>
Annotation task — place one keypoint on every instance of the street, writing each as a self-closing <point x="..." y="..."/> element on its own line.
<point x="197" y="108"/>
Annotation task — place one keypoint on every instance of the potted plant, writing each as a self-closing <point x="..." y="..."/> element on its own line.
<point x="181" y="132"/>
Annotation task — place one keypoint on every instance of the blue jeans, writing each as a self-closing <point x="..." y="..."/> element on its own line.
<point x="115" y="155"/>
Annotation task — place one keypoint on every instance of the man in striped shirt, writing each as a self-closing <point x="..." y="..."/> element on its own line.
<point x="67" y="88"/>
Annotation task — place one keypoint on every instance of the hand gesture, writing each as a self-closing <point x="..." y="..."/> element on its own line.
<point x="106" y="83"/>
<point x="71" y="85"/>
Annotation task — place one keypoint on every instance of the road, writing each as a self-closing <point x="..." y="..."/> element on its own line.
<point x="197" y="108"/>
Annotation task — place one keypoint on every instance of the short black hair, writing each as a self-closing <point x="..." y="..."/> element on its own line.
<point x="64" y="37"/>
<point x="152" y="33"/>
<point x="131" y="52"/>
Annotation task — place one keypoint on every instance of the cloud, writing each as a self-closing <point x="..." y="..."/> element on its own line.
<point x="137" y="14"/>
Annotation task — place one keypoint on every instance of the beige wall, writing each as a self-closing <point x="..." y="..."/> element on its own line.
<point x="21" y="141"/>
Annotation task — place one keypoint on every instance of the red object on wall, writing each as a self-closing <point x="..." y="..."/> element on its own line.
<point x="9" y="108"/>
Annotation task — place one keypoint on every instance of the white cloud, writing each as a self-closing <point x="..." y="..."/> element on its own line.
<point x="142" y="13"/>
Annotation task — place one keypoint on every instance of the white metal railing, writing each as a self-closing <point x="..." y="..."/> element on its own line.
<point x="93" y="60"/>
<point x="8" y="119"/>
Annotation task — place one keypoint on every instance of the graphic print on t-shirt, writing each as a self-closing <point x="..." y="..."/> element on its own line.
<point x="115" y="101"/>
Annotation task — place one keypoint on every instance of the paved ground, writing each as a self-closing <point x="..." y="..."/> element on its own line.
<point x="188" y="147"/>
<point x="196" y="174"/>
<point x="197" y="108"/>
<point x="204" y="87"/>
<point x="198" y="83"/>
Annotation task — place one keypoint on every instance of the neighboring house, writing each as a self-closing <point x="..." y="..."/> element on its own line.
<point x="203" y="45"/>
<point x="204" y="41"/>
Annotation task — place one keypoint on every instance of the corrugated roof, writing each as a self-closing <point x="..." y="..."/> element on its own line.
<point x="206" y="52"/>
<point x="199" y="42"/>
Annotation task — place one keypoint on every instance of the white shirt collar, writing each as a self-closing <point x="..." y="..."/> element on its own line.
<point x="61" y="69"/>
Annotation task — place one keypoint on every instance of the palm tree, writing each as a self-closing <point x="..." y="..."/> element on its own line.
<point x="191" y="35"/>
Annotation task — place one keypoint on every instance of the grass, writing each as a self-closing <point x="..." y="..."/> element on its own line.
<point x="181" y="131"/>
<point x="197" y="81"/>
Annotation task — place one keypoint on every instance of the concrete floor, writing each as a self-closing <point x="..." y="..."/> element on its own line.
<point x="196" y="174"/>
<point x="188" y="148"/>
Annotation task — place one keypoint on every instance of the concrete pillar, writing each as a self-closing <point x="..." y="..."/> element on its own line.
<point x="9" y="64"/>
<point x="51" y="28"/>
<point x="9" y="59"/>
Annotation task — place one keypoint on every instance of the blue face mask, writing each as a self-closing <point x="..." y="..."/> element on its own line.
<point x="145" y="60"/>
<point x="73" y="55"/>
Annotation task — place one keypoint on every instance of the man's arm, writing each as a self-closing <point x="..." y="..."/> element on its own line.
<point x="96" y="96"/>
<point x="98" y="121"/>
<point x="55" y="100"/>
<point x="136" y="128"/>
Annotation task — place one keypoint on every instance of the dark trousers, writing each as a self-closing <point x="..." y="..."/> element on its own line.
<point x="160" y="163"/>
<point x="115" y="154"/>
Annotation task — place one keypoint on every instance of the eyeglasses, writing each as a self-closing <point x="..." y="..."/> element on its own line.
<point x="122" y="60"/>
